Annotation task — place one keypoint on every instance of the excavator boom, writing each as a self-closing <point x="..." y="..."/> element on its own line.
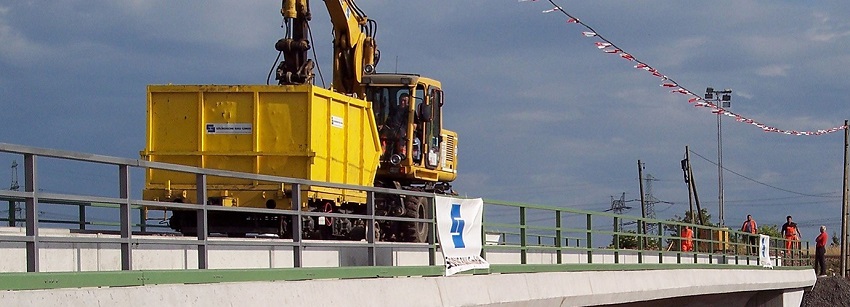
<point x="355" y="50"/>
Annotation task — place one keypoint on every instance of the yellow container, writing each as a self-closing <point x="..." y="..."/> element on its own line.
<point x="299" y="131"/>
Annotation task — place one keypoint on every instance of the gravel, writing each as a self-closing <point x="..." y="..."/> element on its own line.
<point x="828" y="291"/>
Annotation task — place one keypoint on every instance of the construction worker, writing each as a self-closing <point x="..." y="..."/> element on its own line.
<point x="394" y="131"/>
<point x="791" y="233"/>
<point x="688" y="242"/>
<point x="751" y="229"/>
<point x="820" y="251"/>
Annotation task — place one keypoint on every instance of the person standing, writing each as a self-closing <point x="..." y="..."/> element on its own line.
<point x="751" y="229"/>
<point x="688" y="241"/>
<point x="820" y="251"/>
<point x="791" y="233"/>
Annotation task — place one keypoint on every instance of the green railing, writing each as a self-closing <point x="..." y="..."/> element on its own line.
<point x="526" y="238"/>
<point x="614" y="238"/>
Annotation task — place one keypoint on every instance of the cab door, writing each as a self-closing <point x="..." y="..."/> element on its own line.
<point x="432" y="120"/>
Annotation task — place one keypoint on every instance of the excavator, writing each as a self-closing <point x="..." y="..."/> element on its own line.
<point x="369" y="129"/>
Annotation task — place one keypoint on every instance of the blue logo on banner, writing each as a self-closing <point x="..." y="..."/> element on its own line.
<point x="457" y="227"/>
<point x="763" y="249"/>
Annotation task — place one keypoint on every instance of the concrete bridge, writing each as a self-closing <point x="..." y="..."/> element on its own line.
<point x="539" y="256"/>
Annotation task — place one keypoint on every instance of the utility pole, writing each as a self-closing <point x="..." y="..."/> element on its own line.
<point x="642" y="200"/>
<point x="693" y="188"/>
<point x="686" y="169"/>
<point x="844" y="206"/>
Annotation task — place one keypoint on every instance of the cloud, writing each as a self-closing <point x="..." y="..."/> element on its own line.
<point x="776" y="70"/>
<point x="825" y="29"/>
<point x="16" y="49"/>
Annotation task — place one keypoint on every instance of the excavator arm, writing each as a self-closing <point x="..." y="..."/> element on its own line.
<point x="355" y="50"/>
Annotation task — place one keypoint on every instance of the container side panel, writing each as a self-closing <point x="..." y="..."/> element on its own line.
<point x="174" y="122"/>
<point x="337" y="150"/>
<point x="228" y="122"/>
<point x="355" y="145"/>
<point x="228" y="125"/>
<point x="282" y="127"/>
<point x="173" y="132"/>
<point x="162" y="176"/>
<point x="320" y="137"/>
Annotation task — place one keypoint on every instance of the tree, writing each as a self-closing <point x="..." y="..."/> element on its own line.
<point x="770" y="230"/>
<point x="626" y="241"/>
<point x="629" y="240"/>
<point x="706" y="217"/>
<point x="835" y="240"/>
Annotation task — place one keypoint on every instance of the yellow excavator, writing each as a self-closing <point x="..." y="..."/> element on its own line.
<point x="368" y="129"/>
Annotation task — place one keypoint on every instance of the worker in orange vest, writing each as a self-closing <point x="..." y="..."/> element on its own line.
<point x="751" y="229"/>
<point x="688" y="242"/>
<point x="792" y="234"/>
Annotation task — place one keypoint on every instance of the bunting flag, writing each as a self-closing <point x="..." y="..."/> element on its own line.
<point x="609" y="47"/>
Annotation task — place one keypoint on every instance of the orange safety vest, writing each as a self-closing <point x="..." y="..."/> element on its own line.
<point x="688" y="235"/>
<point x="790" y="230"/>
<point x="749" y="226"/>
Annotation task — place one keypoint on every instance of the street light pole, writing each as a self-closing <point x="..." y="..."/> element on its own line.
<point x="722" y="99"/>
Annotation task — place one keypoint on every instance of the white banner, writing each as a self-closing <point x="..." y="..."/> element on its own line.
<point x="764" y="251"/>
<point x="459" y="230"/>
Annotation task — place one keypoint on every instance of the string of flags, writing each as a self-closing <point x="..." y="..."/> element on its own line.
<point x="674" y="87"/>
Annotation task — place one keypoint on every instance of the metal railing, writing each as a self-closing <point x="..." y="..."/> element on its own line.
<point x="531" y="238"/>
<point x="557" y="230"/>
<point x="32" y="198"/>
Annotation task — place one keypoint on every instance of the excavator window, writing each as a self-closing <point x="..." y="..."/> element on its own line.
<point x="381" y="105"/>
<point x="392" y="108"/>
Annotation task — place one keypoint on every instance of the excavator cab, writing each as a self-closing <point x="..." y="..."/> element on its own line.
<point x="408" y="115"/>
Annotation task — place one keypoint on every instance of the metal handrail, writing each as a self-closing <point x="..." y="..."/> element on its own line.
<point x="526" y="236"/>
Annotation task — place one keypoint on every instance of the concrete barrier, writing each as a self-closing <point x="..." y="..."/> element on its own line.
<point x="710" y="287"/>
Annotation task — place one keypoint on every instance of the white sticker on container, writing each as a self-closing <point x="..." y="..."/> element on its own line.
<point x="336" y="121"/>
<point x="229" y="128"/>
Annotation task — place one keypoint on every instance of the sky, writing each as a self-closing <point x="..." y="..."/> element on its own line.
<point x="543" y="115"/>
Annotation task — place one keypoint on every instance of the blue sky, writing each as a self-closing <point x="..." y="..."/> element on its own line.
<point x="543" y="115"/>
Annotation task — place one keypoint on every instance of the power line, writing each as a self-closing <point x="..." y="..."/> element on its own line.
<point x="762" y="183"/>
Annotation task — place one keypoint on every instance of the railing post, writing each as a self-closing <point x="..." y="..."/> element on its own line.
<point x="13" y="207"/>
<point x="523" y="252"/>
<point x="202" y="227"/>
<point x="143" y="219"/>
<point x="808" y="255"/>
<point x="639" y="238"/>
<point x="432" y="232"/>
<point x="297" y="226"/>
<point x="679" y="247"/>
<point x="660" y="243"/>
<point x="370" y="228"/>
<point x="558" y="236"/>
<point x="82" y="216"/>
<point x="589" y="240"/>
<point x="710" y="246"/>
<point x="31" y="186"/>
<point x="616" y="239"/>
<point x="125" y="224"/>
